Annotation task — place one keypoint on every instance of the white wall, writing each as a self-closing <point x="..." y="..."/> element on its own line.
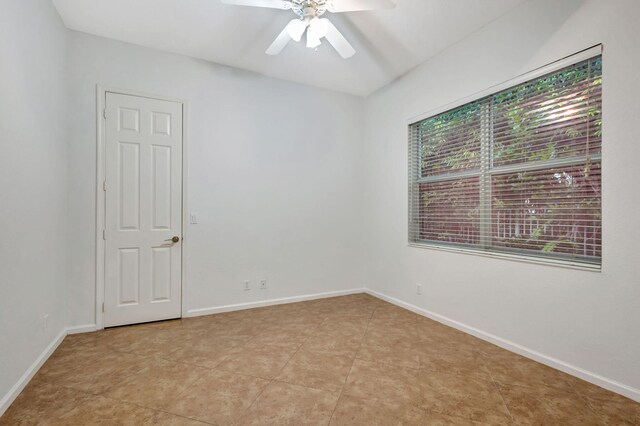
<point x="277" y="178"/>
<point x="33" y="195"/>
<point x="275" y="175"/>
<point x="588" y="319"/>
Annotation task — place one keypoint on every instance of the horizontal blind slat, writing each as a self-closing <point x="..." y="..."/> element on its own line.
<point x="529" y="205"/>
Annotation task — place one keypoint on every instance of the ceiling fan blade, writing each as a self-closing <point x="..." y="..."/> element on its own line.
<point x="274" y="4"/>
<point x="293" y="31"/>
<point x="338" y="6"/>
<point x="338" y="41"/>
<point x="279" y="43"/>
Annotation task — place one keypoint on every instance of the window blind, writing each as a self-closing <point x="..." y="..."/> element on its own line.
<point x="516" y="172"/>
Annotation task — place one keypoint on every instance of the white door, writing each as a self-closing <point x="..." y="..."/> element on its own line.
<point x="143" y="217"/>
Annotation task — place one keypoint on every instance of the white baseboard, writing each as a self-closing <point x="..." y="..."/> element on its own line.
<point x="13" y="393"/>
<point x="77" y="329"/>
<point x="588" y="376"/>
<point x="596" y="379"/>
<point x="269" y="302"/>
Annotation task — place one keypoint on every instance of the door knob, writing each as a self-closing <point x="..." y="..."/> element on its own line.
<point x="174" y="239"/>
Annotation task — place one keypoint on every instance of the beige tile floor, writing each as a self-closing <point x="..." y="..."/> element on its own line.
<point x="351" y="360"/>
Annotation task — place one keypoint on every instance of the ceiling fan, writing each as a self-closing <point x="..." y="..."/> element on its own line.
<point x="309" y="19"/>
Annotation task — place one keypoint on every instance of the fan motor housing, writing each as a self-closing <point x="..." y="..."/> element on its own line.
<point x="309" y="8"/>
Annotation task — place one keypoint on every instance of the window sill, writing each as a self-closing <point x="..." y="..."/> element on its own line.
<point x="513" y="257"/>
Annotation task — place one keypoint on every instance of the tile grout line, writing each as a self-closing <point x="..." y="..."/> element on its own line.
<point x="497" y="387"/>
<point x="301" y="345"/>
<point x="305" y="386"/>
<point x="87" y="394"/>
<point x="584" y="398"/>
<point x="346" y="379"/>
<point x="225" y="357"/>
<point x="91" y="396"/>
<point x="157" y="409"/>
<point x="423" y="406"/>
<point x="164" y="357"/>
<point x="215" y="369"/>
<point x="151" y="357"/>
<point x="276" y="375"/>
<point x="316" y="321"/>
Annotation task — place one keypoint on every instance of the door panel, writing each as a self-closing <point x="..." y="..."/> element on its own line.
<point x="143" y="145"/>
<point x="129" y="185"/>
<point x="161" y="187"/>
<point x="129" y="276"/>
<point x="161" y="283"/>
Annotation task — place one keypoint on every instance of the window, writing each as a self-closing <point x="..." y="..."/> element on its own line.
<point x="514" y="173"/>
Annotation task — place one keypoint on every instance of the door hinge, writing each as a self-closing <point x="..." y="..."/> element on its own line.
<point x="104" y="185"/>
<point x="104" y="234"/>
<point x="102" y="306"/>
<point x="104" y="113"/>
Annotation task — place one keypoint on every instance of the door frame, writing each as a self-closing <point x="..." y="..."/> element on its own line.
<point x="101" y="96"/>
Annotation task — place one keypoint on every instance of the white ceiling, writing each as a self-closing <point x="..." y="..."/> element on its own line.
<point x="388" y="42"/>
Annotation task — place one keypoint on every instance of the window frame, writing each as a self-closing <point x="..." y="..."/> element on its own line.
<point x="481" y="97"/>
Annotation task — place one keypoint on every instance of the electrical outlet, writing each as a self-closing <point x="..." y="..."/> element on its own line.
<point x="247" y="286"/>
<point x="193" y="218"/>
<point x="418" y="288"/>
<point x="263" y="284"/>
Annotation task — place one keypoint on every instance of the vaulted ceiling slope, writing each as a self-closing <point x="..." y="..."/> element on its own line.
<point x="388" y="42"/>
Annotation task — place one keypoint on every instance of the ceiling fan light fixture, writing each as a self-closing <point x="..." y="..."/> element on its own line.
<point x="317" y="30"/>
<point x="312" y="42"/>
<point x="296" y="29"/>
<point x="309" y="12"/>
<point x="319" y="26"/>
